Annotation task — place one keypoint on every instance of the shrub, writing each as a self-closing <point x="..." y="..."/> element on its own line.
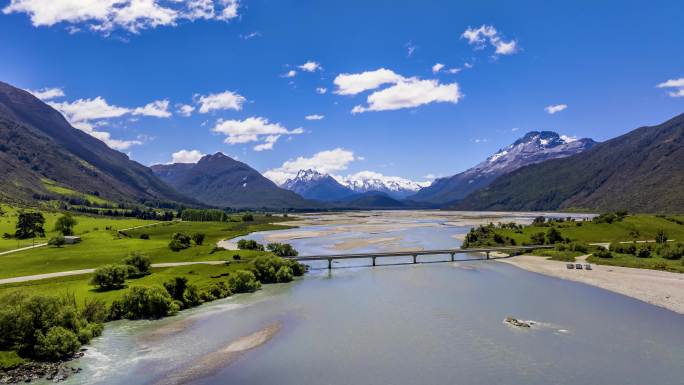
<point x="282" y="249"/>
<point x="65" y="224"/>
<point x="539" y="221"/>
<point x="144" y="236"/>
<point x="249" y="244"/>
<point x="94" y="310"/>
<point x="247" y="218"/>
<point x="57" y="343"/>
<point x="671" y="252"/>
<point x="538" y="238"/>
<point x="140" y="263"/>
<point x="661" y="237"/>
<point x="110" y="277"/>
<point x="243" y="281"/>
<point x="219" y="290"/>
<point x="89" y="331"/>
<point x="176" y="287"/>
<point x="57" y="241"/>
<point x="237" y="257"/>
<point x="603" y="253"/>
<point x="643" y="252"/>
<point x="143" y="302"/>
<point x="7" y="236"/>
<point x="284" y="274"/>
<point x="179" y="241"/>
<point x="622" y="248"/>
<point x="198" y="238"/>
<point x="191" y="296"/>
<point x="553" y="236"/>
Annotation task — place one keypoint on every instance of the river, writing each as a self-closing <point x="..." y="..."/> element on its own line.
<point x="429" y="323"/>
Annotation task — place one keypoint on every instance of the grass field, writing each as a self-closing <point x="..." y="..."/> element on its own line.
<point x="100" y="246"/>
<point x="85" y="224"/>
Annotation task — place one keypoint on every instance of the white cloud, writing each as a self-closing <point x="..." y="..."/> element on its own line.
<point x="289" y="74"/>
<point x="268" y="143"/>
<point x="226" y="100"/>
<point x="253" y="129"/>
<point x="410" y="48"/>
<point x="411" y="93"/>
<point x="437" y="67"/>
<point x="186" y="156"/>
<point x="314" y="117"/>
<point x="157" y="109"/>
<point x="479" y="37"/>
<point x="133" y="16"/>
<point x="352" y="84"/>
<point x="327" y="162"/>
<point x="47" y="93"/>
<point x="552" y="109"/>
<point x="676" y="86"/>
<point x="321" y="90"/>
<point x="185" y="109"/>
<point x="310" y="66"/>
<point x="87" y="114"/>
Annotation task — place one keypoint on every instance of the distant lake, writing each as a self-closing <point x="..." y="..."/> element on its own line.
<point x="430" y="323"/>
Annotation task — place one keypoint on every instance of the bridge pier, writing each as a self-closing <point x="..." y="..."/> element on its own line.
<point x="452" y="256"/>
<point x="487" y="254"/>
<point x="329" y="263"/>
<point x="415" y="258"/>
<point x="374" y="261"/>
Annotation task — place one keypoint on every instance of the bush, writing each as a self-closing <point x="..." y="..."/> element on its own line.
<point x="57" y="241"/>
<point x="603" y="253"/>
<point x="94" y="311"/>
<point x="143" y="302"/>
<point x="179" y="241"/>
<point x="218" y="290"/>
<point x="672" y="252"/>
<point x="284" y="274"/>
<point x="191" y="296"/>
<point x="624" y="248"/>
<point x="140" y="263"/>
<point x="237" y="257"/>
<point x="65" y="224"/>
<point x="249" y="244"/>
<point x="176" y="287"/>
<point x="247" y="218"/>
<point x="144" y="236"/>
<point x="282" y="249"/>
<point x="109" y="277"/>
<point x="553" y="236"/>
<point x="538" y="238"/>
<point x="49" y="328"/>
<point x="643" y="252"/>
<point x="243" y="281"/>
<point x="198" y="238"/>
<point x="661" y="237"/>
<point x="57" y="343"/>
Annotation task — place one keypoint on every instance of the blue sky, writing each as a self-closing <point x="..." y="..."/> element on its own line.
<point x="127" y="67"/>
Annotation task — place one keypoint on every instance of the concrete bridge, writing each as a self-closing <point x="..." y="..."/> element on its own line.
<point x="416" y="253"/>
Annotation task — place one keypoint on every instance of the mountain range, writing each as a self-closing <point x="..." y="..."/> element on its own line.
<point x="534" y="147"/>
<point x="641" y="171"/>
<point x="221" y="181"/>
<point x="43" y="157"/>
<point x="42" y="154"/>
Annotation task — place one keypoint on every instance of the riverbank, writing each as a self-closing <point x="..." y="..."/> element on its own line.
<point x="659" y="288"/>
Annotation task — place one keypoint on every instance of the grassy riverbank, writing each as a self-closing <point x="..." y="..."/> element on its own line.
<point x="574" y="238"/>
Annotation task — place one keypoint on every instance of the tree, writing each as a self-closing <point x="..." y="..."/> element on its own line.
<point x="65" y="224"/>
<point x="179" y="241"/>
<point x="247" y="218"/>
<point x="110" y="277"/>
<point x="643" y="252"/>
<point x="282" y="249"/>
<point x="538" y="238"/>
<point x="198" y="238"/>
<point x="57" y="241"/>
<point x="553" y="236"/>
<point x="140" y="262"/>
<point x="176" y="287"/>
<point x="30" y="225"/>
<point x="249" y="244"/>
<point x="661" y="237"/>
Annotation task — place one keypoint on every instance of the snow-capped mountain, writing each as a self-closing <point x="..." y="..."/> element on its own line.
<point x="394" y="186"/>
<point x="312" y="184"/>
<point x="534" y="147"/>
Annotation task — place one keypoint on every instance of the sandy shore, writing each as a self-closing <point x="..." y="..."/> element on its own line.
<point x="660" y="288"/>
<point x="211" y="363"/>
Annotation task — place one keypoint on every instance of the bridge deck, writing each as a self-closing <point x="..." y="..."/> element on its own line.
<point x="413" y="253"/>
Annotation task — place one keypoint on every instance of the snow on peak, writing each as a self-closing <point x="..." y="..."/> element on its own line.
<point x="374" y="181"/>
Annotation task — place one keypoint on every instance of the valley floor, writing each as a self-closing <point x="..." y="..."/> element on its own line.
<point x="660" y="288"/>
